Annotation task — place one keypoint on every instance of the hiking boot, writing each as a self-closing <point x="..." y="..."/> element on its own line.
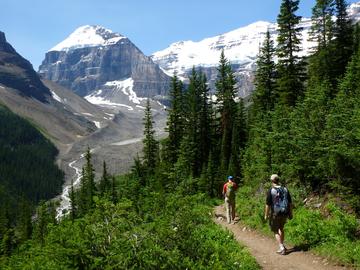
<point x="282" y="251"/>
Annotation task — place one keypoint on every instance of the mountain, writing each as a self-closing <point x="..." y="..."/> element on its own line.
<point x="241" y="47"/>
<point x="104" y="67"/>
<point x="72" y="123"/>
<point x="17" y="72"/>
<point x="23" y="92"/>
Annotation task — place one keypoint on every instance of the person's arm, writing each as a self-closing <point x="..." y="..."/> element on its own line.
<point x="224" y="190"/>
<point x="267" y="212"/>
<point x="290" y="206"/>
<point x="268" y="205"/>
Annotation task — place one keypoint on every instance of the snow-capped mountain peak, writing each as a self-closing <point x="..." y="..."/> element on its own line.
<point x="88" y="36"/>
<point x="241" y="47"/>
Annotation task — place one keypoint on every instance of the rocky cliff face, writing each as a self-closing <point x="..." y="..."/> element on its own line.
<point x="17" y="73"/>
<point x="93" y="59"/>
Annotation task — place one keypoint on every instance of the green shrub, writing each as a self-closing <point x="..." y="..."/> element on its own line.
<point x="306" y="228"/>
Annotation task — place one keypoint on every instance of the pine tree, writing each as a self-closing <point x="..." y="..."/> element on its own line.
<point x="4" y="215"/>
<point x="239" y="138"/>
<point x="73" y="207"/>
<point x="87" y="185"/>
<point x="340" y="143"/>
<point x="41" y="223"/>
<point x="151" y="146"/>
<point x="83" y="196"/>
<point x="307" y="127"/>
<point x="343" y="42"/>
<point x="113" y="190"/>
<point x="24" y="226"/>
<point x="356" y="42"/>
<point x="205" y="121"/>
<point x="322" y="28"/>
<point x="104" y="185"/>
<point x="175" y="123"/>
<point x="191" y="158"/>
<point x="322" y="32"/>
<point x="290" y="66"/>
<point x="264" y="96"/>
<point x="90" y="180"/>
<point x="226" y="109"/>
<point x="8" y="242"/>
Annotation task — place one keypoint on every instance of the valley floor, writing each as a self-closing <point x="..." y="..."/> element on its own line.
<point x="263" y="249"/>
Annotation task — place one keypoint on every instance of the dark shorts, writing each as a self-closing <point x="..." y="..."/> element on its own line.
<point x="277" y="223"/>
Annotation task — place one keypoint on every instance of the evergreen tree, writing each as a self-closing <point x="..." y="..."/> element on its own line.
<point x="114" y="195"/>
<point x="343" y="42"/>
<point x="151" y="146"/>
<point x="41" y="223"/>
<point x="307" y="126"/>
<point x="264" y="96"/>
<point x="24" y="226"/>
<point x="290" y="66"/>
<point x="194" y="148"/>
<point x="322" y="32"/>
<point x="138" y="170"/>
<point x="239" y="138"/>
<point x="83" y="196"/>
<point x="340" y="141"/>
<point x="104" y="185"/>
<point x="175" y="123"/>
<point x="257" y="160"/>
<point x="205" y="121"/>
<point x="322" y="28"/>
<point x="8" y="242"/>
<point x="87" y="185"/>
<point x="356" y="42"/>
<point x="226" y="109"/>
<point x="5" y="219"/>
<point x="73" y="207"/>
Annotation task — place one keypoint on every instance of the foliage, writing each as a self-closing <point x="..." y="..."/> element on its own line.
<point x="290" y="66"/>
<point x="28" y="175"/>
<point x="170" y="232"/>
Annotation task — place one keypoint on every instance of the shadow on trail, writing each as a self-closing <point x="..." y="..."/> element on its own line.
<point x="298" y="248"/>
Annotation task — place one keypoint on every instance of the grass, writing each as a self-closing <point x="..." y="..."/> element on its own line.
<point x="328" y="231"/>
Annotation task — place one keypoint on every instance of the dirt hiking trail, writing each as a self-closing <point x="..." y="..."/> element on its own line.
<point x="263" y="248"/>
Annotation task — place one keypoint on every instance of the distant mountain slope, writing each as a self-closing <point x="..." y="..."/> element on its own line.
<point x="94" y="61"/>
<point x="241" y="47"/>
<point x="27" y="168"/>
<point x="22" y="91"/>
<point x="72" y="122"/>
<point x="17" y="72"/>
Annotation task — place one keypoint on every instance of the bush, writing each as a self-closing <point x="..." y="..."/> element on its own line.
<point x="306" y="228"/>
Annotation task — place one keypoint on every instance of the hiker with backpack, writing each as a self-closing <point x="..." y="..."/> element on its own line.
<point x="278" y="209"/>
<point x="229" y="189"/>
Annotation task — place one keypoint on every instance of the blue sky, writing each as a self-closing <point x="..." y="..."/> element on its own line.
<point x="35" y="26"/>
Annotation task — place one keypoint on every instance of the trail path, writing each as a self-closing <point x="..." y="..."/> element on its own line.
<point x="263" y="249"/>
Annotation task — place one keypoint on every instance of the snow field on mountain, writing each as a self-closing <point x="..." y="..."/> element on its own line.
<point x="88" y="36"/>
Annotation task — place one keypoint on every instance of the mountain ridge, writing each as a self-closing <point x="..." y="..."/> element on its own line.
<point x="241" y="47"/>
<point x="92" y="56"/>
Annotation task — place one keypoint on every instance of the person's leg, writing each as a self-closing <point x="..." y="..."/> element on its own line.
<point x="233" y="211"/>
<point x="228" y="209"/>
<point x="282" y="235"/>
<point x="277" y="227"/>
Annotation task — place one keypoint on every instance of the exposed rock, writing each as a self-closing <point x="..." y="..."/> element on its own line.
<point x="86" y="69"/>
<point x="17" y="73"/>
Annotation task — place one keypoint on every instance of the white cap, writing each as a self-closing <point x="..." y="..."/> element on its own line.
<point x="274" y="178"/>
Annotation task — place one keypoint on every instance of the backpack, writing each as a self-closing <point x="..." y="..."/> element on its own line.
<point x="280" y="202"/>
<point x="230" y="191"/>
